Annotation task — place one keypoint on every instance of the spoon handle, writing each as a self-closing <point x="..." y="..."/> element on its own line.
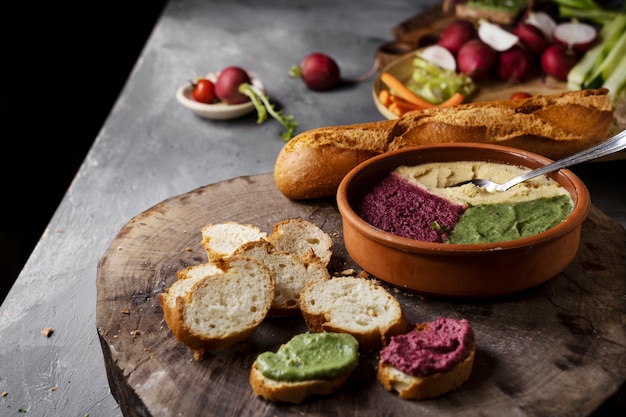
<point x="605" y="148"/>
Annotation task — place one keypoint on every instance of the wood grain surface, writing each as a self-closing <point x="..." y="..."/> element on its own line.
<point x="558" y="349"/>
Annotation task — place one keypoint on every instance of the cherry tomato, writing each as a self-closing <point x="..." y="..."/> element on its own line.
<point x="203" y="91"/>
<point x="520" y="95"/>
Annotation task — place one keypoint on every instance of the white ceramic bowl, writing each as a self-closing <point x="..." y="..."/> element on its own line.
<point x="216" y="111"/>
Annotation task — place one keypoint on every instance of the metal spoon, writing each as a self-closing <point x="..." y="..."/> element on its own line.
<point x="609" y="146"/>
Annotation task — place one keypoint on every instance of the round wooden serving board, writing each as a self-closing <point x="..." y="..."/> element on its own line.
<point x="558" y="349"/>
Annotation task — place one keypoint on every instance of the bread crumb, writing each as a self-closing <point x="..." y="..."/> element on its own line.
<point x="188" y="249"/>
<point x="4" y="394"/>
<point x="363" y="274"/>
<point x="53" y="389"/>
<point x="47" y="331"/>
<point x="348" y="272"/>
<point x="135" y="333"/>
<point x="125" y="311"/>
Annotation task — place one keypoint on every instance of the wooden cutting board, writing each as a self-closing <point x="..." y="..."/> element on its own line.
<point x="558" y="349"/>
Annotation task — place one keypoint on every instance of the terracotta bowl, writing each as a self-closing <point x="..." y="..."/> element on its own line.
<point x="459" y="270"/>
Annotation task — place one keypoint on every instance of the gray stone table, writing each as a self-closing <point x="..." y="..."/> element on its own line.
<point x="151" y="148"/>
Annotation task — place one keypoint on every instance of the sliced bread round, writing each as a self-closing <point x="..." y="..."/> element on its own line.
<point x="358" y="306"/>
<point x="441" y="357"/>
<point x="290" y="274"/>
<point x="220" y="309"/>
<point x="309" y="364"/>
<point x="300" y="236"/>
<point x="222" y="239"/>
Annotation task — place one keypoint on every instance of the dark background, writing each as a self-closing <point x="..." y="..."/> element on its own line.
<point x="63" y="67"/>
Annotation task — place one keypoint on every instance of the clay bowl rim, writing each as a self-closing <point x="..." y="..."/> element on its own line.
<point x="382" y="163"/>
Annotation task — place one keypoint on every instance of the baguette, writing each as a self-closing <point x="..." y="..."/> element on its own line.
<point x="313" y="163"/>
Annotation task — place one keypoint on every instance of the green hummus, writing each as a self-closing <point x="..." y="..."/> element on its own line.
<point x="309" y="356"/>
<point x="500" y="222"/>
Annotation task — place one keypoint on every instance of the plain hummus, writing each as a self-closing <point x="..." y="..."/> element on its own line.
<point x="438" y="175"/>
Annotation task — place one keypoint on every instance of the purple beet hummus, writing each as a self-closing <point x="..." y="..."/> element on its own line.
<point x="438" y="347"/>
<point x="398" y="206"/>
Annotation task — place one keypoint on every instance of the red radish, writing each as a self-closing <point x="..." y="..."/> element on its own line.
<point x="542" y="21"/>
<point x="456" y="34"/>
<point x="514" y="64"/>
<point x="476" y="58"/>
<point x="577" y="36"/>
<point x="531" y="37"/>
<point x="557" y="61"/>
<point x="496" y="36"/>
<point x="319" y="71"/>
<point x="440" y="56"/>
<point x="227" y="85"/>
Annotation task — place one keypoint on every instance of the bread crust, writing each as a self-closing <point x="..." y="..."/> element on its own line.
<point x="321" y="314"/>
<point x="175" y="310"/>
<point x="423" y="387"/>
<point x="313" y="163"/>
<point x="292" y="392"/>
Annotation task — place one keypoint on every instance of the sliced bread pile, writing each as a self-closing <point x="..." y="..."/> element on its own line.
<point x="249" y="276"/>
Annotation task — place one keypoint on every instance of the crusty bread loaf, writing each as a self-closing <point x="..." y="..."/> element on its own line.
<point x="222" y="239"/>
<point x="358" y="306"/>
<point x="312" y="164"/>
<point x="475" y="11"/>
<point x="219" y="309"/>
<point x="299" y="236"/>
<point x="291" y="273"/>
<point x="429" y="385"/>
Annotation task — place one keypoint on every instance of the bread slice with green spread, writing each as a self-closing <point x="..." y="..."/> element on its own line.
<point x="431" y="360"/>
<point x="358" y="306"/>
<point x="310" y="364"/>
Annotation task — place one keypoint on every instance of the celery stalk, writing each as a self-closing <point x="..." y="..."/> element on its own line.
<point x="616" y="82"/>
<point x="610" y="61"/>
<point x="585" y="72"/>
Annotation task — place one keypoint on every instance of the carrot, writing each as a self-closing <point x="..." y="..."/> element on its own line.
<point x="395" y="109"/>
<point x="454" y="100"/>
<point x="400" y="107"/>
<point x="401" y="90"/>
<point x="384" y="97"/>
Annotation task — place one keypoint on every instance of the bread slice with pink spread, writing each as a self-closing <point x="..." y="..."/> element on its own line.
<point x="431" y="360"/>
